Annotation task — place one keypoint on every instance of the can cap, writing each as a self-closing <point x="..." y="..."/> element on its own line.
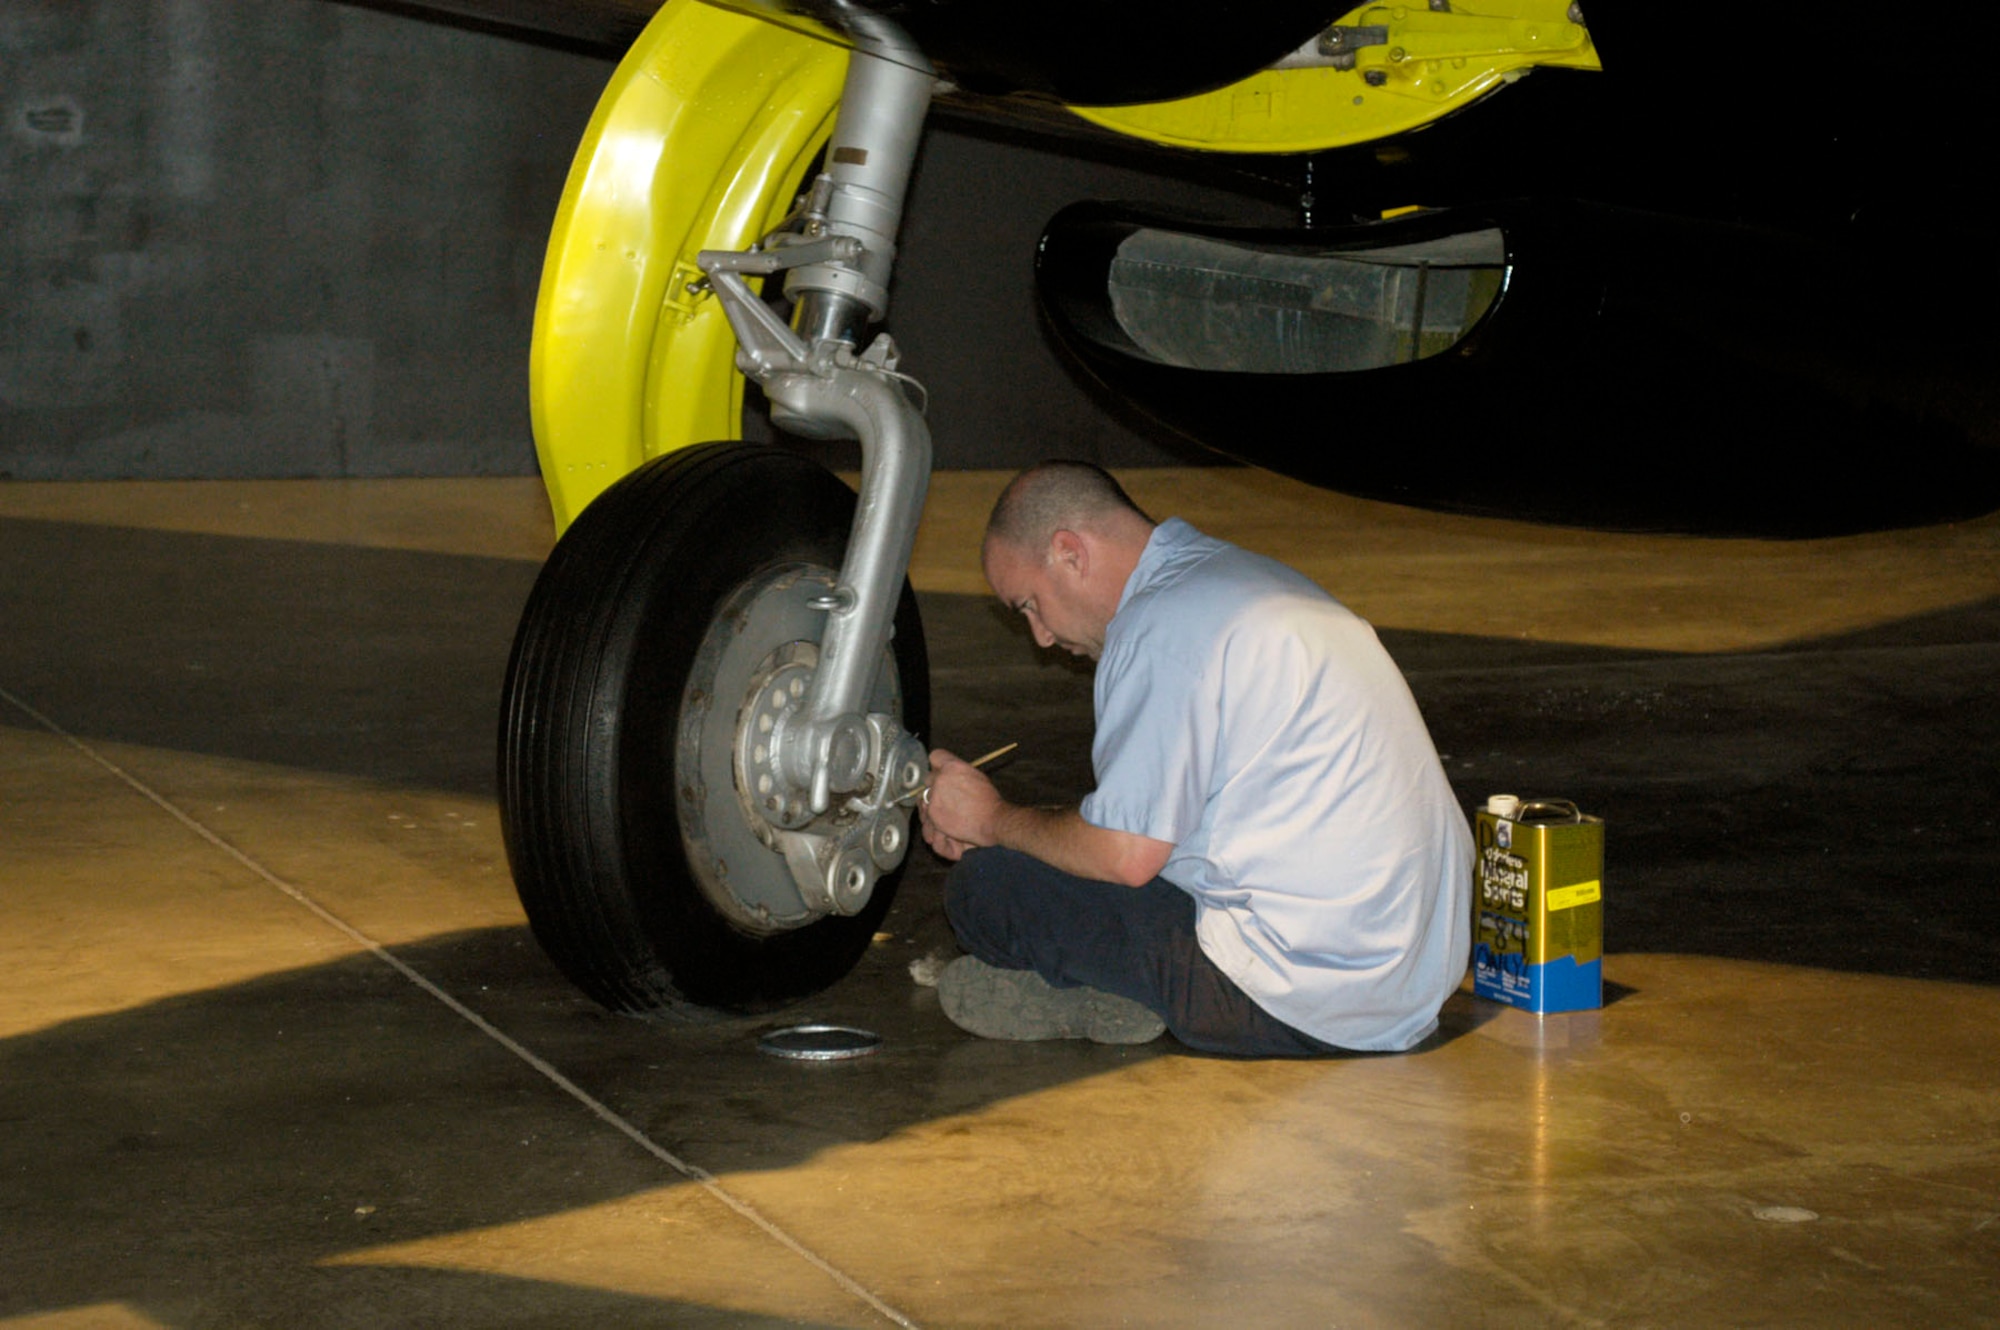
<point x="1503" y="805"/>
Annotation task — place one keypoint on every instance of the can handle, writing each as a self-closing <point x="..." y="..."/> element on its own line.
<point x="1540" y="810"/>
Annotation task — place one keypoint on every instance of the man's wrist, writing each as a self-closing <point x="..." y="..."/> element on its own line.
<point x="1014" y="826"/>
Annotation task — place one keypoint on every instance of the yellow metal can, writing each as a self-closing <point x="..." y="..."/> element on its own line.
<point x="1538" y="905"/>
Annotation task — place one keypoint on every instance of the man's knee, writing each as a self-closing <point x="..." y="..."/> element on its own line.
<point x="974" y="897"/>
<point x="998" y="903"/>
<point x="960" y="895"/>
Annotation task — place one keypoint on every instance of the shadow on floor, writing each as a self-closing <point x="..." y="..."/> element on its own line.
<point x="202" y="1158"/>
<point x="383" y="664"/>
<point x="1829" y="804"/>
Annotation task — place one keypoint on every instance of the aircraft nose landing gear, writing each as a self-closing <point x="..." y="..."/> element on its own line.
<point x="709" y="737"/>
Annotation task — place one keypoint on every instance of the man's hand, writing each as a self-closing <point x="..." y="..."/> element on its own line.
<point x="959" y="808"/>
<point x="962" y="811"/>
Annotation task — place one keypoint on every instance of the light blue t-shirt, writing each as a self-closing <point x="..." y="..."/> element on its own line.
<point x="1257" y="724"/>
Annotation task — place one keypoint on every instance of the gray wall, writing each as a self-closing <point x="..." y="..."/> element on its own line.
<point x="275" y="237"/>
<point x="297" y="238"/>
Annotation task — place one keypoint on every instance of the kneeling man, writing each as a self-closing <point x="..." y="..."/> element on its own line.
<point x="1272" y="863"/>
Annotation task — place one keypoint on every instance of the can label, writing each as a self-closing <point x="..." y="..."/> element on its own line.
<point x="1538" y="909"/>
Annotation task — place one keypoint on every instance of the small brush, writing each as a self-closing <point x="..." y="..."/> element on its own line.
<point x="1001" y="751"/>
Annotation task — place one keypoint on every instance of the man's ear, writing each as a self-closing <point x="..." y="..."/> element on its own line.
<point x="1071" y="551"/>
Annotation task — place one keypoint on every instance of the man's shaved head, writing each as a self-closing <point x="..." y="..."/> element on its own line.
<point x="1059" y="496"/>
<point x="1061" y="544"/>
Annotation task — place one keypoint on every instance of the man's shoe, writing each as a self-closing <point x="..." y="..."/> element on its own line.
<point x="1019" y="1004"/>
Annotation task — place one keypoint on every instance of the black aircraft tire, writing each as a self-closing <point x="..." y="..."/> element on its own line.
<point x="593" y="712"/>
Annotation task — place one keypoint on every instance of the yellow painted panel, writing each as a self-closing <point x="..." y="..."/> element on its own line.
<point x="1432" y="63"/>
<point x="699" y="142"/>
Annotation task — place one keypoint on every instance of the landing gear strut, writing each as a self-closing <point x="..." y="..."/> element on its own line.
<point x="709" y="741"/>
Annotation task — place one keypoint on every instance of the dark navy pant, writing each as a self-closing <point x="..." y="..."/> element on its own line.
<point x="1018" y="913"/>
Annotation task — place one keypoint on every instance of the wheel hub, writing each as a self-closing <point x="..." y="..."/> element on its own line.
<point x="777" y="692"/>
<point x="762" y="857"/>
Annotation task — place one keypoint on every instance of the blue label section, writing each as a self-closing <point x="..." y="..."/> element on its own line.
<point x="1563" y="985"/>
<point x="1560" y="985"/>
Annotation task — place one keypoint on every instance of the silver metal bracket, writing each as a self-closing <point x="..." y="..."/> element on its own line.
<point x="765" y="343"/>
<point x="835" y="854"/>
<point x="836" y="870"/>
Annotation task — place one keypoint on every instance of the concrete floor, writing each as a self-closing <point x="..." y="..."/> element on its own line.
<point x="277" y="1049"/>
